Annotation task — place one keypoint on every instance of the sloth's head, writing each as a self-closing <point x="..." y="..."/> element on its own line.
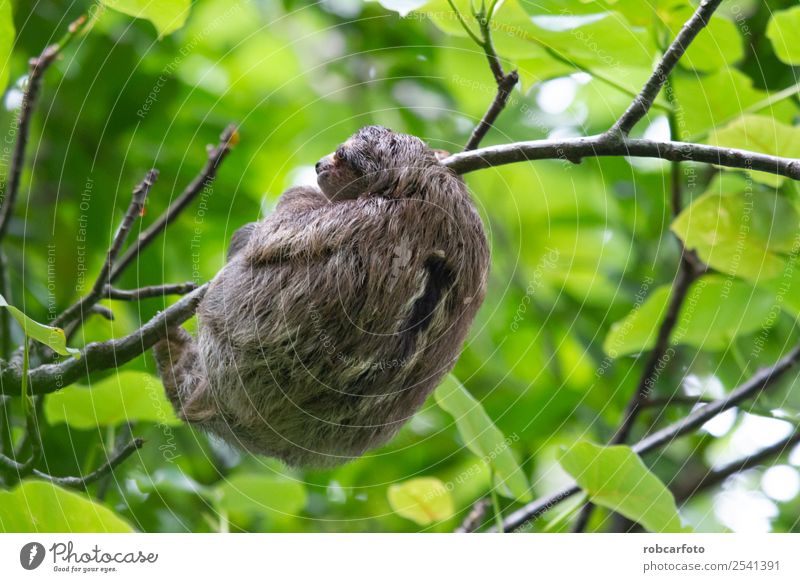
<point x="372" y="162"/>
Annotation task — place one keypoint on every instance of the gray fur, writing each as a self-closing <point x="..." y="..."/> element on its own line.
<point x="338" y="314"/>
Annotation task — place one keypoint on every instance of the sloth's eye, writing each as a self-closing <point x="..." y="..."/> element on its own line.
<point x="340" y="155"/>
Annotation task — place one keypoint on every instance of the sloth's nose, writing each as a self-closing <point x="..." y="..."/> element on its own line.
<point x="318" y="166"/>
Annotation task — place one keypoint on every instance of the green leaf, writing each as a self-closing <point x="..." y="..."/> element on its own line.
<point x="166" y="15"/>
<point x="261" y="495"/>
<point x="53" y="337"/>
<point x="764" y="135"/>
<point x="482" y="437"/>
<point x="716" y="310"/>
<point x="424" y="500"/>
<point x="616" y="478"/>
<point x="739" y="231"/>
<point x="123" y="397"/>
<point x="712" y="100"/>
<point x="782" y="32"/>
<point x="40" y="507"/>
<point x="604" y="44"/>
<point x="6" y="41"/>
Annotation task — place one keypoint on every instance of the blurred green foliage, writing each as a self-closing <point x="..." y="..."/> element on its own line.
<point x="582" y="254"/>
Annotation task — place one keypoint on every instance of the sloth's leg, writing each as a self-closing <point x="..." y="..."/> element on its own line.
<point x="184" y="380"/>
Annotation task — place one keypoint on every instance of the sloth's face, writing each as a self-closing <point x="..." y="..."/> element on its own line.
<point x="368" y="162"/>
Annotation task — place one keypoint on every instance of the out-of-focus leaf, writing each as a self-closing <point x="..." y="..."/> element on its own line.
<point x="716" y="310"/>
<point x="601" y="43"/>
<point x="482" y="437"/>
<point x="764" y="135"/>
<point x="424" y="500"/>
<point x="739" y="231"/>
<point x="6" y="41"/>
<point x="402" y="7"/>
<point x="782" y="32"/>
<point x="166" y="15"/>
<point x="126" y="396"/>
<point x="39" y="507"/>
<point x="616" y="478"/>
<point x="266" y="495"/>
<point x="52" y="337"/>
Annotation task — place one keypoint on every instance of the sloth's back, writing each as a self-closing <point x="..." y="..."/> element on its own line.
<point x="317" y="360"/>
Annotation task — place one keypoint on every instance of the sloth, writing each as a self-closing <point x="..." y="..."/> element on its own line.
<point x="336" y="315"/>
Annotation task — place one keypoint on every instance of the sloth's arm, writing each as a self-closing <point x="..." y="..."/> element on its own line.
<point x="299" y="199"/>
<point x="298" y="230"/>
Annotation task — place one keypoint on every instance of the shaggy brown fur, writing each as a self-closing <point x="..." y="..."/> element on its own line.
<point x="340" y="312"/>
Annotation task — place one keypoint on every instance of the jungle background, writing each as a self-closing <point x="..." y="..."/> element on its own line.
<point x="582" y="254"/>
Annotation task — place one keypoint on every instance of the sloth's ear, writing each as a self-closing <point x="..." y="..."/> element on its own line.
<point x="441" y="154"/>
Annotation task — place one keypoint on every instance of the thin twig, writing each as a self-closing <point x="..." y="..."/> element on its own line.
<point x="135" y="207"/>
<point x="37" y="66"/>
<point x="114" y="461"/>
<point x="148" y="292"/>
<point x="644" y="101"/>
<point x="713" y="478"/>
<point x="505" y="82"/>
<point x="216" y="154"/>
<point x="80" y="482"/>
<point x="759" y="382"/>
<point x="475" y="517"/>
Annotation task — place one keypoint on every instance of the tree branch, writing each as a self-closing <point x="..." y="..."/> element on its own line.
<point x="101" y="355"/>
<point x="135" y="207"/>
<point x="80" y="482"/>
<point x="760" y="381"/>
<point x="148" y="292"/>
<point x="505" y="82"/>
<point x="37" y="67"/>
<point x="644" y="101"/>
<point x="575" y="149"/>
<point x="216" y="155"/>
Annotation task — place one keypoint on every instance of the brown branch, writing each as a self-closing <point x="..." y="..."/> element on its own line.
<point x="148" y="292"/>
<point x="645" y="99"/>
<point x="713" y="478"/>
<point x="759" y="382"/>
<point x="37" y="68"/>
